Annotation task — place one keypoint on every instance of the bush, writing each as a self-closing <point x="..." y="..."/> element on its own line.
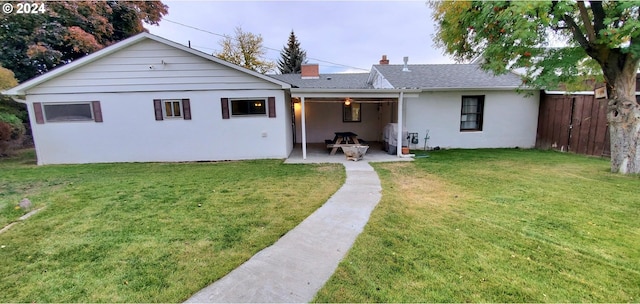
<point x="5" y="131"/>
<point x="8" y="106"/>
<point x="11" y="133"/>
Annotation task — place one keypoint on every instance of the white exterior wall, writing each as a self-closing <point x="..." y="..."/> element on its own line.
<point x="323" y="119"/>
<point x="509" y="120"/>
<point x="126" y="87"/>
<point x="130" y="132"/>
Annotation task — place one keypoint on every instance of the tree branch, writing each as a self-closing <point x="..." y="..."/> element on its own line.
<point x="587" y="22"/>
<point x="598" y="16"/>
<point x="577" y="33"/>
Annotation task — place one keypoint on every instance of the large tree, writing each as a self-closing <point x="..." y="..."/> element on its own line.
<point x="556" y="42"/>
<point x="245" y="49"/>
<point x="32" y="44"/>
<point x="292" y="56"/>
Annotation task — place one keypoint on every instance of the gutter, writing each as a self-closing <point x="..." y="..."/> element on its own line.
<point x="16" y="99"/>
<point x="320" y="90"/>
<point x="444" y="89"/>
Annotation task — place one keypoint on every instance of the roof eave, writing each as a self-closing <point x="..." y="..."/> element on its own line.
<point x="354" y="93"/>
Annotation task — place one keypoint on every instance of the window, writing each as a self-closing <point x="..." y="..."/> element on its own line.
<point x="248" y="107"/>
<point x="67" y="111"/>
<point x="351" y="112"/>
<point x="471" y="117"/>
<point x="172" y="108"/>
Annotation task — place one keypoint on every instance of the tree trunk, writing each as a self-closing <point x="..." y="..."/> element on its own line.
<point x="623" y="116"/>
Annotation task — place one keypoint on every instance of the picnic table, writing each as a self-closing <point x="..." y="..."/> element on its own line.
<point x="343" y="139"/>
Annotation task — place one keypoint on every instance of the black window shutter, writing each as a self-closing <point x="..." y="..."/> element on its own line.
<point x="157" y="105"/>
<point x="97" y="111"/>
<point x="224" y="103"/>
<point x="37" y="111"/>
<point x="186" y="109"/>
<point x="272" y="106"/>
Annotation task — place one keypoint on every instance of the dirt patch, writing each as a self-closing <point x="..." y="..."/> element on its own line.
<point x="420" y="191"/>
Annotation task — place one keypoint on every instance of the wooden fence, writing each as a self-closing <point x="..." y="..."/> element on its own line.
<point x="573" y="123"/>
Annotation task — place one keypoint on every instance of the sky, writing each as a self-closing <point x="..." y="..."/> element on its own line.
<point x="340" y="36"/>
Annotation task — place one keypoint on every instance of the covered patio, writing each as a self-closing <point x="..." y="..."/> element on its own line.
<point x="307" y="107"/>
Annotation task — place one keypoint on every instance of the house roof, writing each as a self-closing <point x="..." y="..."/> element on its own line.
<point x="327" y="81"/>
<point x="23" y="87"/>
<point x="420" y="76"/>
<point x="446" y="76"/>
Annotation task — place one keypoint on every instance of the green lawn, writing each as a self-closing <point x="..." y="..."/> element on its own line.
<point x="135" y="232"/>
<point x="497" y="226"/>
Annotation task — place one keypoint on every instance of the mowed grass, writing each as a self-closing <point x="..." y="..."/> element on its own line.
<point x="497" y="226"/>
<point x="134" y="232"/>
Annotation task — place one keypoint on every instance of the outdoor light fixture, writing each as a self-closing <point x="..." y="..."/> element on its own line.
<point x="347" y="102"/>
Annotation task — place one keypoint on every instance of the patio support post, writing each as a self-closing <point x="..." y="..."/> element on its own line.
<point x="399" y="144"/>
<point x="304" y="128"/>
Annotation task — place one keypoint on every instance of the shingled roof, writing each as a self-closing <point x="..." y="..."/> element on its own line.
<point x="327" y="81"/>
<point x="419" y="76"/>
<point x="446" y="76"/>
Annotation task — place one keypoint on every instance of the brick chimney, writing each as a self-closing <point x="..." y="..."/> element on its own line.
<point x="384" y="60"/>
<point x="310" y="71"/>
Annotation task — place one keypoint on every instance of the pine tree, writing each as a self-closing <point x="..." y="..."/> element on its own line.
<point x="292" y="56"/>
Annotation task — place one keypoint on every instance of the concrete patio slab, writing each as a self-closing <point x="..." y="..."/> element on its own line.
<point x="318" y="153"/>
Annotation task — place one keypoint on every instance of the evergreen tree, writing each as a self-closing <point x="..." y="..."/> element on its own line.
<point x="292" y="56"/>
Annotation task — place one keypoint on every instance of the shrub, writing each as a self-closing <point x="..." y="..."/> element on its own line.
<point x="5" y="131"/>
<point x="11" y="133"/>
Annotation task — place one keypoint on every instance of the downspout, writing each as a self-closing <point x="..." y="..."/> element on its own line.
<point x="399" y="143"/>
<point x="304" y="128"/>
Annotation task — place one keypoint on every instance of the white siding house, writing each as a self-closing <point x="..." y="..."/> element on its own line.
<point x="149" y="99"/>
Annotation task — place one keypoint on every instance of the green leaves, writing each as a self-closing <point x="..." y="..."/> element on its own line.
<point x="539" y="38"/>
<point x="32" y="44"/>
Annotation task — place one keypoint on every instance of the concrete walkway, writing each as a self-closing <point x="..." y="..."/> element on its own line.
<point x="299" y="264"/>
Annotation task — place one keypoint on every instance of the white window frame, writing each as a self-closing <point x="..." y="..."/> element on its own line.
<point x="172" y="101"/>
<point x="262" y="99"/>
<point x="49" y="120"/>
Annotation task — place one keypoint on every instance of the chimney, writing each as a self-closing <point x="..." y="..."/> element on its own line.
<point x="310" y="71"/>
<point x="384" y="60"/>
<point x="406" y="67"/>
